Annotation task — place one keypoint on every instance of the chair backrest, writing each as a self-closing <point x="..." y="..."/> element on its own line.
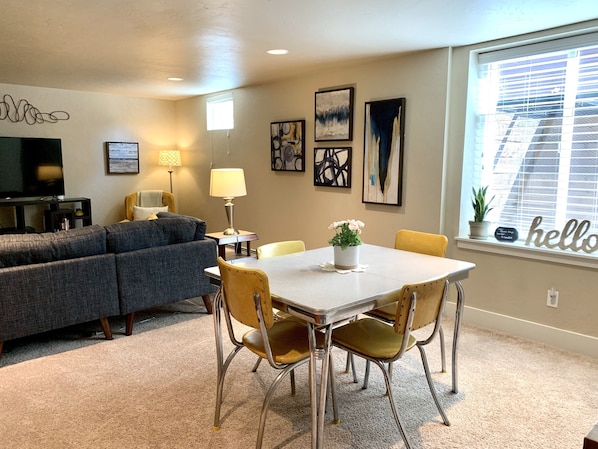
<point x="131" y="200"/>
<point x="421" y="242"/>
<point x="240" y="285"/>
<point x="430" y="297"/>
<point x="280" y="248"/>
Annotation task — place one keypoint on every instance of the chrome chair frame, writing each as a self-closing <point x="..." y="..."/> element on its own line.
<point x="418" y="242"/>
<point x="407" y="337"/>
<point x="286" y="369"/>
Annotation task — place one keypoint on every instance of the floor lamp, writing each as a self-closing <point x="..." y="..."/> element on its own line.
<point x="228" y="183"/>
<point x="170" y="158"/>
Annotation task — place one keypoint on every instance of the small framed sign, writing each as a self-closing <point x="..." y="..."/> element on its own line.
<point x="122" y="157"/>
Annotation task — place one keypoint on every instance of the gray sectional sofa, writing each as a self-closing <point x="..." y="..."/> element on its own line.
<point x="53" y="280"/>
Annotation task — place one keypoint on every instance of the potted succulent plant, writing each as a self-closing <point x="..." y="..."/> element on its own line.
<point x="478" y="228"/>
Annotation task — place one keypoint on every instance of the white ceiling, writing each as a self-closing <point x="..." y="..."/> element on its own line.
<point x="131" y="47"/>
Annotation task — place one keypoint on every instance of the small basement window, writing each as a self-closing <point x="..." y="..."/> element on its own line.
<point x="220" y="111"/>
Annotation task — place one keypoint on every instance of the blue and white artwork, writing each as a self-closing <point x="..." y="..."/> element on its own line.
<point x="334" y="115"/>
<point x="383" y="151"/>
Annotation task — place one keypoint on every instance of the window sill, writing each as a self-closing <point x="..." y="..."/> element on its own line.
<point x="519" y="249"/>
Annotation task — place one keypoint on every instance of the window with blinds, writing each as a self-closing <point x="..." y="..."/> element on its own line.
<point x="536" y="143"/>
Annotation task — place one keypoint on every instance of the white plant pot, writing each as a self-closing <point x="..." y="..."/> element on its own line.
<point x="478" y="230"/>
<point x="346" y="259"/>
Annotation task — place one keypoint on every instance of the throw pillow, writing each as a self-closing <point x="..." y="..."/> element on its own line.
<point x="142" y="213"/>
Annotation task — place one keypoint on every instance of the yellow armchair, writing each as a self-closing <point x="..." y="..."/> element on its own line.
<point x="132" y="200"/>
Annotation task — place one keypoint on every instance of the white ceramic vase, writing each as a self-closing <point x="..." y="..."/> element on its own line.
<point x="346" y="259"/>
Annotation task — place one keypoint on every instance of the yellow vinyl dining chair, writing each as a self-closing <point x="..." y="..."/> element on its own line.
<point x="417" y="242"/>
<point x="272" y="250"/>
<point x="419" y="305"/>
<point x="284" y="343"/>
<point x="280" y="248"/>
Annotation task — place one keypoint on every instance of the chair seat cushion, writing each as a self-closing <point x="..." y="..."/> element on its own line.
<point x="370" y="337"/>
<point x="288" y="340"/>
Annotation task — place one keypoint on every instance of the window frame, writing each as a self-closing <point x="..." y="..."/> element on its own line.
<point x="472" y="177"/>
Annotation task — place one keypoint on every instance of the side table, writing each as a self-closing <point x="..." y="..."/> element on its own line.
<point x="222" y="240"/>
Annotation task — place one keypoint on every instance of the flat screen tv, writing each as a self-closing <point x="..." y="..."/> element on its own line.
<point x="30" y="167"/>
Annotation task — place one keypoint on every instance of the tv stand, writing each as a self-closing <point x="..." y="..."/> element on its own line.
<point x="53" y="214"/>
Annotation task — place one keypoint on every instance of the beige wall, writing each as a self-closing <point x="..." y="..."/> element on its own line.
<point x="283" y="205"/>
<point x="503" y="292"/>
<point x="95" y="119"/>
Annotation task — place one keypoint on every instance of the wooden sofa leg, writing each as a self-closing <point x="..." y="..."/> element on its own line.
<point x="208" y="303"/>
<point x="106" y="328"/>
<point x="130" y="322"/>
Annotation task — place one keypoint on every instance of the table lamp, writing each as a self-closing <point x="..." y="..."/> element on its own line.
<point x="228" y="183"/>
<point x="170" y="158"/>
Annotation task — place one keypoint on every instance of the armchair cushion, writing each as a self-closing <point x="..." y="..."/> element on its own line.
<point x="145" y="213"/>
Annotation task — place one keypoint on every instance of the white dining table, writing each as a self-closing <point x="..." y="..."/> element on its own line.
<point x="305" y="284"/>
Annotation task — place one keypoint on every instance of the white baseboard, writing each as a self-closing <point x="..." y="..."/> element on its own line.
<point x="567" y="340"/>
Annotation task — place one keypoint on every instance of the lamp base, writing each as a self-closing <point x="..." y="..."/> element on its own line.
<point x="231" y="231"/>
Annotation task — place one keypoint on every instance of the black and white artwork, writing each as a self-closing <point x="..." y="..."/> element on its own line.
<point x="332" y="167"/>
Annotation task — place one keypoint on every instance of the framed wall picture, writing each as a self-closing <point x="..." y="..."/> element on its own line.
<point x="287" y="145"/>
<point x="332" y="167"/>
<point x="122" y="157"/>
<point x="333" y="117"/>
<point x="384" y="132"/>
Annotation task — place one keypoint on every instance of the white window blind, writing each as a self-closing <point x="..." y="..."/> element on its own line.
<point x="220" y="112"/>
<point x="537" y="133"/>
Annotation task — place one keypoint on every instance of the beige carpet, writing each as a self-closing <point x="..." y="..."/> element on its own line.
<point x="155" y="389"/>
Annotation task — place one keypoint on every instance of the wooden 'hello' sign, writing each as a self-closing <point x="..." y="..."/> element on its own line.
<point x="573" y="236"/>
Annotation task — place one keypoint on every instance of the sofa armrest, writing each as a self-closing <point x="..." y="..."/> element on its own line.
<point x="162" y="275"/>
<point x="46" y="296"/>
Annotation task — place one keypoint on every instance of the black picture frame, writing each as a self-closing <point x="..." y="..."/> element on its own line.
<point x="287" y="146"/>
<point x="332" y="167"/>
<point x="333" y="115"/>
<point x="122" y="158"/>
<point x="384" y="136"/>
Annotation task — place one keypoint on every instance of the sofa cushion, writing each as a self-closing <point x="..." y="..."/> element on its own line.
<point x="134" y="235"/>
<point x="24" y="249"/>
<point x="200" y="232"/>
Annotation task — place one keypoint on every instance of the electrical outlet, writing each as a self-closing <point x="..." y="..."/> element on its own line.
<point x="552" y="298"/>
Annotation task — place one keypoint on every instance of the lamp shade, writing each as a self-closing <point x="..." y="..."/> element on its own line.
<point x="170" y="158"/>
<point x="227" y="182"/>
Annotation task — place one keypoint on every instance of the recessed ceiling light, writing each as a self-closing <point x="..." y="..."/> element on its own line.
<point x="278" y="51"/>
<point x="174" y="78"/>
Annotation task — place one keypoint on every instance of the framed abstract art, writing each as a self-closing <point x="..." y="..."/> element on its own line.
<point x="332" y="167"/>
<point x="122" y="158"/>
<point x="384" y="133"/>
<point x="333" y="119"/>
<point x="287" y="145"/>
